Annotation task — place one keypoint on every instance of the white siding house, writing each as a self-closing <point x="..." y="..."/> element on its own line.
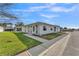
<point x="20" y="28"/>
<point x="8" y="27"/>
<point x="40" y="28"/>
<point x="1" y="29"/>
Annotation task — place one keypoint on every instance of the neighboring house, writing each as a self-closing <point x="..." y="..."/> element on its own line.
<point x="1" y="29"/>
<point x="40" y="28"/>
<point x="8" y="27"/>
<point x="20" y="28"/>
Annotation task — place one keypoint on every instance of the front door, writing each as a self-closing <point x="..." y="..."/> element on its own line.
<point x="36" y="29"/>
<point x="30" y="30"/>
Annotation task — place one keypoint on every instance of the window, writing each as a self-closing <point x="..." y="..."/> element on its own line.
<point x="33" y="28"/>
<point x="44" y="28"/>
<point x="51" y="29"/>
<point x="19" y="29"/>
<point x="54" y="28"/>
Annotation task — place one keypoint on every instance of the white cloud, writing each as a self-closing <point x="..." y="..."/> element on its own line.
<point x="52" y="4"/>
<point x="48" y="16"/>
<point x="62" y="9"/>
<point x="32" y="9"/>
<point x="38" y="8"/>
<point x="76" y="27"/>
<point x="50" y="7"/>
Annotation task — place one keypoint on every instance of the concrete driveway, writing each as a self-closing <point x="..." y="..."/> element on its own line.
<point x="72" y="48"/>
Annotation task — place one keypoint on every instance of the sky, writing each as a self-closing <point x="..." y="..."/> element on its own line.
<point x="62" y="14"/>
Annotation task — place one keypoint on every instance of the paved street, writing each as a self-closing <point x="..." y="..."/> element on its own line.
<point x="72" y="48"/>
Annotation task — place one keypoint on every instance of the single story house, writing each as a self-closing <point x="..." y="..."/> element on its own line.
<point x="20" y="28"/>
<point x="6" y="27"/>
<point x="9" y="27"/>
<point x="40" y="28"/>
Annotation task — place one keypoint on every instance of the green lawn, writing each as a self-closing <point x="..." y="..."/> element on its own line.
<point x="13" y="43"/>
<point x="51" y="35"/>
<point x="27" y="41"/>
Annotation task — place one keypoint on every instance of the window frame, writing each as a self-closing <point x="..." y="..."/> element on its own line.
<point x="44" y="28"/>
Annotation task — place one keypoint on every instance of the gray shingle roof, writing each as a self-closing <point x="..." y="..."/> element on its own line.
<point x="43" y="23"/>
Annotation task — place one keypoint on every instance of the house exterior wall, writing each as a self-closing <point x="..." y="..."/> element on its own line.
<point x="58" y="29"/>
<point x="18" y="27"/>
<point x="26" y="29"/>
<point x="23" y="29"/>
<point x="48" y="29"/>
<point x="32" y="29"/>
<point x="36" y="29"/>
<point x="9" y="27"/>
<point x="1" y="29"/>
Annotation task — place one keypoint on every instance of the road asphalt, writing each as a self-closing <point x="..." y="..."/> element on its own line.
<point x="72" y="48"/>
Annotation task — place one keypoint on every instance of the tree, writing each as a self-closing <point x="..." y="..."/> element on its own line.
<point x="19" y="24"/>
<point x="65" y="28"/>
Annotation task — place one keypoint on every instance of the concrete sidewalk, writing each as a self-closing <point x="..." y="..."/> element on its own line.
<point x="42" y="47"/>
<point x="35" y="51"/>
<point x="36" y="38"/>
<point x="25" y="53"/>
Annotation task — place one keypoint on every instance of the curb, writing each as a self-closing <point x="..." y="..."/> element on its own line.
<point x="52" y="46"/>
<point x="28" y="53"/>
